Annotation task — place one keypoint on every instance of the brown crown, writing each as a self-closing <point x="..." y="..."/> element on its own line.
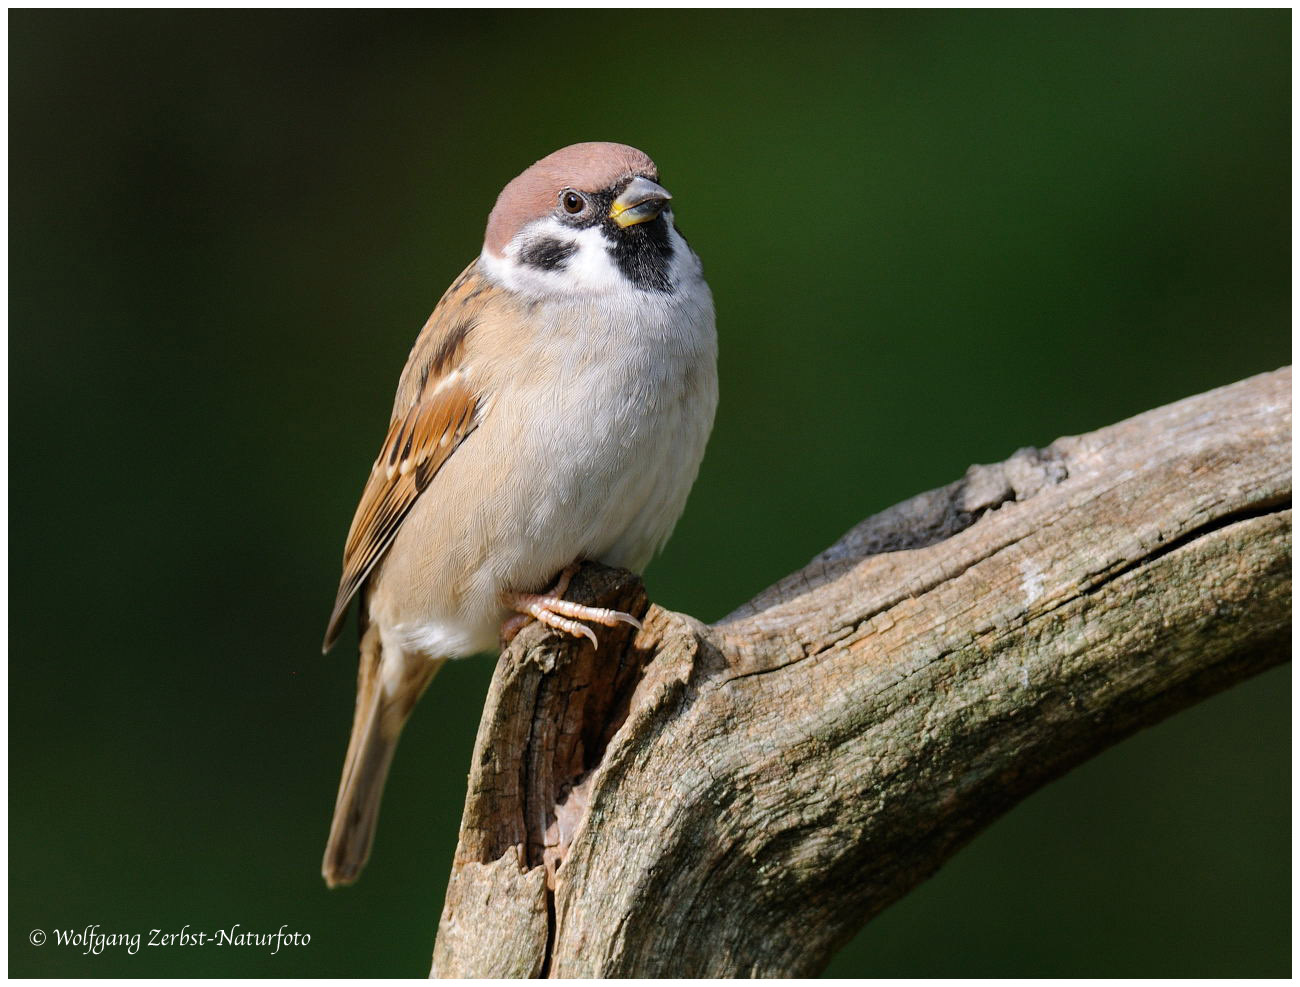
<point x="588" y="167"/>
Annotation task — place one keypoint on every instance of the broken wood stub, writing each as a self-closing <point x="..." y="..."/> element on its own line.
<point x="738" y="799"/>
<point x="549" y="715"/>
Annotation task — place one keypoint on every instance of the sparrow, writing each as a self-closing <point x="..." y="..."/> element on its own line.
<point x="554" y="408"/>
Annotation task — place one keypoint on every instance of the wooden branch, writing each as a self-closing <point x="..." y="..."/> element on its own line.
<point x="738" y="799"/>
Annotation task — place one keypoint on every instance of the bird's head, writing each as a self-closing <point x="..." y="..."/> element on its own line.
<point x="588" y="219"/>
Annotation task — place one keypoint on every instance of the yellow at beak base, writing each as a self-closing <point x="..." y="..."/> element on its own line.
<point x="625" y="215"/>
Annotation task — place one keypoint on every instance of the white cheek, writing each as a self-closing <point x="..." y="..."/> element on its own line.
<point x="590" y="269"/>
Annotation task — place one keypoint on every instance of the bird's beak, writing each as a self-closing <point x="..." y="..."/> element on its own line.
<point x="641" y="200"/>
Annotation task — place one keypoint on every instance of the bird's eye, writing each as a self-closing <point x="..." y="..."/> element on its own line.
<point x="572" y="202"/>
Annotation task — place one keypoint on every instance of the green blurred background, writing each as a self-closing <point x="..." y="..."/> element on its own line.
<point x="932" y="238"/>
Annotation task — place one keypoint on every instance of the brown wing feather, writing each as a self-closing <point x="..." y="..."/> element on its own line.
<point x="415" y="449"/>
<point x="436" y="408"/>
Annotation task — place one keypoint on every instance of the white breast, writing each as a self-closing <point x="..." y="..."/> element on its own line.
<point x="625" y="436"/>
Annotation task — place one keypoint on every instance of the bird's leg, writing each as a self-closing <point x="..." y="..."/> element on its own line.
<point x="551" y="609"/>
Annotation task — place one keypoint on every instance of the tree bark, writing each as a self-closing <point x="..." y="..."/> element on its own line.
<point x="738" y="799"/>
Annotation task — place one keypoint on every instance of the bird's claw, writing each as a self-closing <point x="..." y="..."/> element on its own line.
<point x="553" y="610"/>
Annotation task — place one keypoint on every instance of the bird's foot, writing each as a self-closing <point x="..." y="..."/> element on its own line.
<point x="551" y="609"/>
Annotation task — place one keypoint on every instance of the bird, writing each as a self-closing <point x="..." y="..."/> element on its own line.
<point x="554" y="409"/>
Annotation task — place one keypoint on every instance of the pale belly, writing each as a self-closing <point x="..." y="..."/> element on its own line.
<point x="599" y="469"/>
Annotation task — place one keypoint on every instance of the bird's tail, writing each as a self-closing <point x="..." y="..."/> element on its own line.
<point x="385" y="698"/>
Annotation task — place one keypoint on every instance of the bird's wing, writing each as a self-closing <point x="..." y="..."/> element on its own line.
<point x="437" y="406"/>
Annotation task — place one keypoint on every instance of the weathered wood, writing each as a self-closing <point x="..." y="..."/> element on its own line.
<point x="738" y="799"/>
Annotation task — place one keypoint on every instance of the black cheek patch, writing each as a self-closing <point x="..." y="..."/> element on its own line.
<point x="547" y="254"/>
